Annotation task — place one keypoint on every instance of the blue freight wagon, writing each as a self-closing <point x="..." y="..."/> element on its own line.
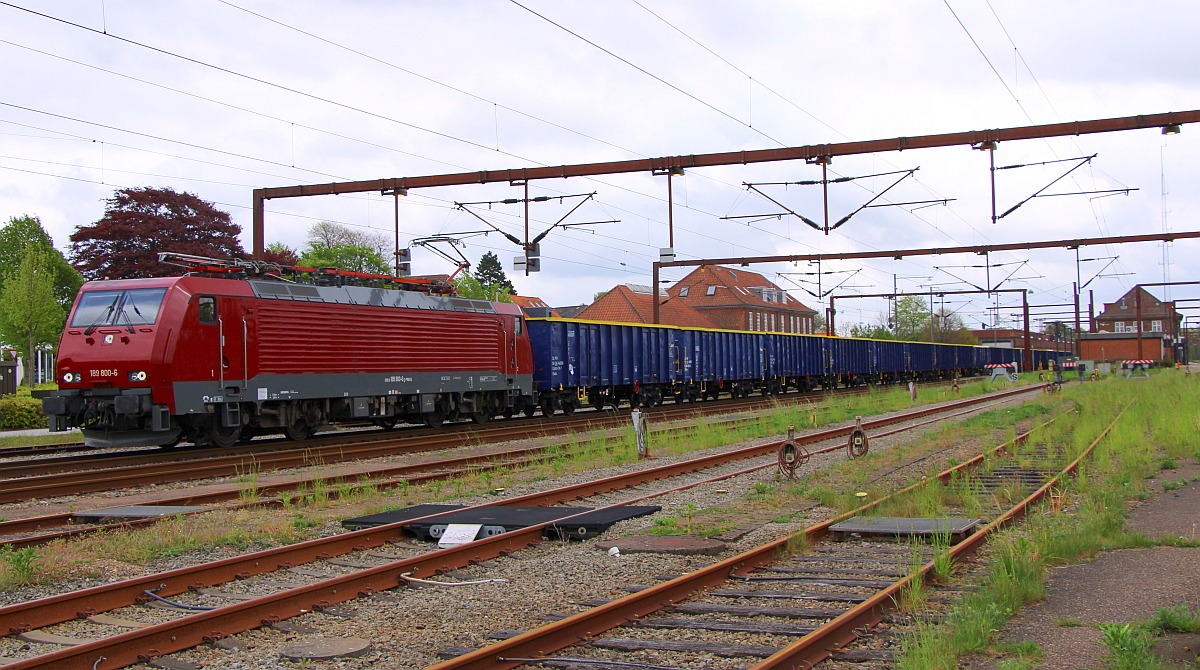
<point x="579" y="363"/>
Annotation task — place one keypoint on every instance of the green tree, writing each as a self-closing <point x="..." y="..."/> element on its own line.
<point x="138" y="223"/>
<point x="332" y="245"/>
<point x="25" y="232"/>
<point x="950" y="328"/>
<point x="912" y="319"/>
<point x="30" y="317"/>
<point x="278" y="252"/>
<point x="351" y="257"/>
<point x="875" y="332"/>
<point x="819" y="324"/>
<point x="468" y="286"/>
<point x="490" y="272"/>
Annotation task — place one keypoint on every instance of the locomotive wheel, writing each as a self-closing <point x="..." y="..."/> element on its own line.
<point x="435" y="419"/>
<point x="529" y="410"/>
<point x="480" y="417"/>
<point x="224" y="437"/>
<point x="298" y="430"/>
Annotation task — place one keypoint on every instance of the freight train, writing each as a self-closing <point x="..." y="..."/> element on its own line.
<point x="235" y="349"/>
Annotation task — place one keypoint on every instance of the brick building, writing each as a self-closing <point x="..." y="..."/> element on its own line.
<point x="1112" y="347"/>
<point x="1157" y="317"/>
<point x="1015" y="339"/>
<point x="738" y="299"/>
<point x="1137" y="326"/>
<point x="629" y="303"/>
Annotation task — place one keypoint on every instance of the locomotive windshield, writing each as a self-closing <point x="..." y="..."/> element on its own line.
<point x="133" y="307"/>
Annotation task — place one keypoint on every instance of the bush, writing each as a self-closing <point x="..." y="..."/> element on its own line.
<point x="21" y="412"/>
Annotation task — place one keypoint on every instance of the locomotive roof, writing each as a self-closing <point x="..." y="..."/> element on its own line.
<point x="379" y="297"/>
<point x="339" y="295"/>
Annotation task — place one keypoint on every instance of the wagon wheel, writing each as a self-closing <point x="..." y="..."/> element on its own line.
<point x="386" y="423"/>
<point x="547" y="407"/>
<point x="248" y="433"/>
<point x="481" y="417"/>
<point x="568" y="407"/>
<point x="529" y="410"/>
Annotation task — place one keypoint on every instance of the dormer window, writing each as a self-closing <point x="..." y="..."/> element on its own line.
<point x="684" y="291"/>
<point x="712" y="290"/>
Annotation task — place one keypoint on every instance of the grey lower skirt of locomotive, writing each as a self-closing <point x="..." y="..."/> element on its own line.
<point x="128" y="417"/>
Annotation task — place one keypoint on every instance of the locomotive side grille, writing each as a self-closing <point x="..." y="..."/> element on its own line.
<point x="295" y="336"/>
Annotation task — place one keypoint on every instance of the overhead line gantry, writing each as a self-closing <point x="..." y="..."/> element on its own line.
<point x="673" y="164"/>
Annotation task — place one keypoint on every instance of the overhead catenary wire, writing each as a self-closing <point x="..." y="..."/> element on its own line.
<point x="774" y="232"/>
<point x="256" y="79"/>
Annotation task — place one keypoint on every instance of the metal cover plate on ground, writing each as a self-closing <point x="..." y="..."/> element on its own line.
<point x="683" y="545"/>
<point x="327" y="648"/>
<point x="908" y="526"/>
<point x="133" y="512"/>
<point x="509" y="517"/>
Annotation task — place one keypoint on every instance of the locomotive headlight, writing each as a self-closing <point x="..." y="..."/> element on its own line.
<point x="139" y="376"/>
<point x="69" y="377"/>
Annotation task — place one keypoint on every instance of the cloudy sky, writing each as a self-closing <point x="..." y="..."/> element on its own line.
<point x="218" y="98"/>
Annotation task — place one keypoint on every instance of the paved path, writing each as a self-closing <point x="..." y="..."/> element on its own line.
<point x="1122" y="586"/>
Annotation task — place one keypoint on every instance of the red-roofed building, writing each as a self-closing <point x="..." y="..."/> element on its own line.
<point x="532" y="306"/>
<point x="741" y="300"/>
<point x="1137" y="326"/>
<point x="634" y="304"/>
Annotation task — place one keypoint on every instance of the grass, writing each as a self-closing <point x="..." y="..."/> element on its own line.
<point x="1130" y="645"/>
<point x="122" y="550"/>
<point x="1020" y="556"/>
<point x="69" y="437"/>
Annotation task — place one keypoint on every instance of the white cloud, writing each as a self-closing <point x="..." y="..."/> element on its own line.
<point x="865" y="70"/>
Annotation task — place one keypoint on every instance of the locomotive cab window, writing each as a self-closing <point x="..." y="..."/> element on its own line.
<point x="517" y="327"/>
<point x="207" y="309"/>
<point x="129" y="308"/>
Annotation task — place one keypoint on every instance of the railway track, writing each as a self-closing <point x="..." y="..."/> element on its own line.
<point x="41" y="481"/>
<point x="833" y="596"/>
<point x="374" y="567"/>
<point x="17" y="533"/>
<point x="43" y="450"/>
<point x="57" y="477"/>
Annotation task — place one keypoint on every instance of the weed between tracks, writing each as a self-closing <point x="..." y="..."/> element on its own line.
<point x="1152" y="429"/>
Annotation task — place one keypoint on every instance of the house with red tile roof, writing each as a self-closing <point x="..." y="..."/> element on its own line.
<point x="737" y="299"/>
<point x="628" y="303"/>
<point x="533" y="306"/>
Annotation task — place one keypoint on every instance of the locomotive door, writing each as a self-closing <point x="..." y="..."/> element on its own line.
<point x="233" y="326"/>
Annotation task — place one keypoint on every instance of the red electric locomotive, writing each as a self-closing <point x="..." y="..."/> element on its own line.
<point x="231" y="351"/>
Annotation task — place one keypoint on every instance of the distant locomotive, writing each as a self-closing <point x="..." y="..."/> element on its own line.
<point x="238" y="348"/>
